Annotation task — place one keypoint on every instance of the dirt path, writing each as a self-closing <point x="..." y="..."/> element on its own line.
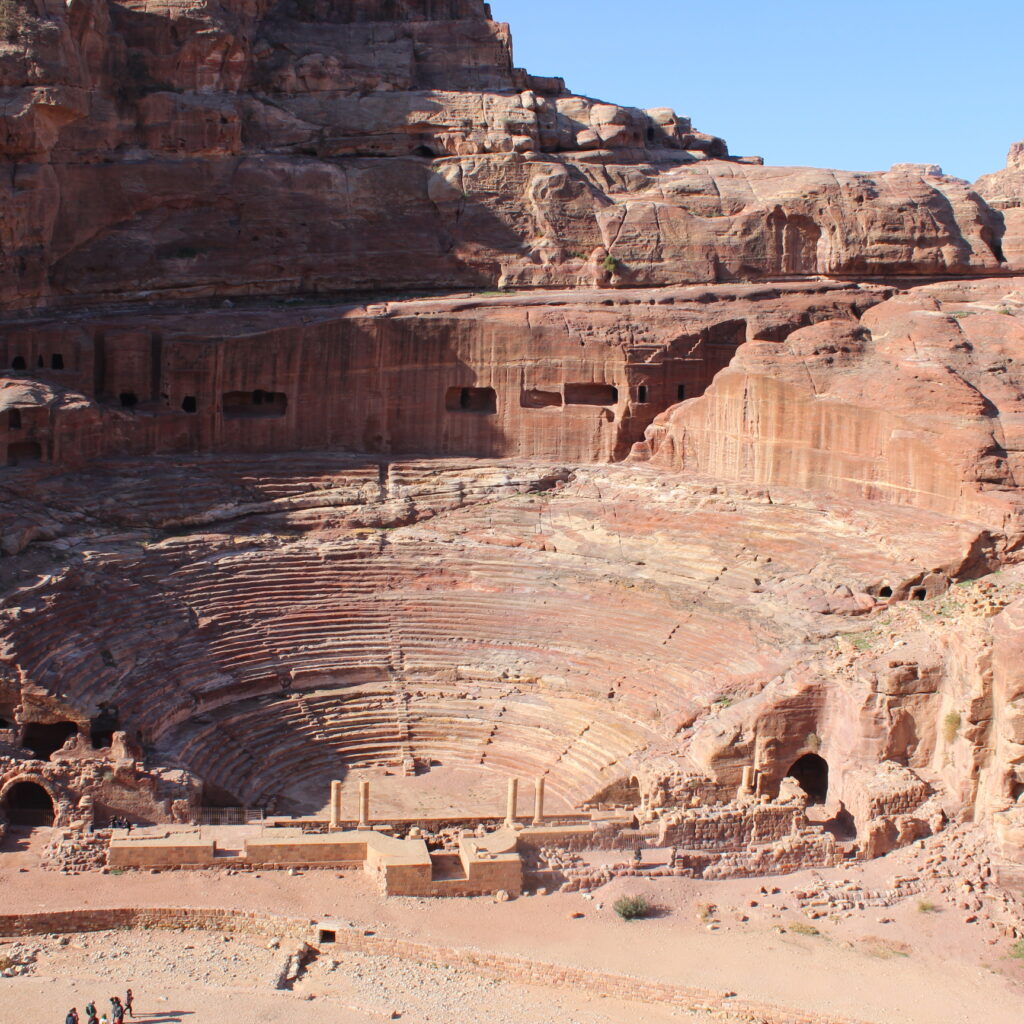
<point x="890" y="965"/>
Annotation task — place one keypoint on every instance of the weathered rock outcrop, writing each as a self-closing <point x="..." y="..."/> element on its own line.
<point x="917" y="404"/>
<point x="1004" y="193"/>
<point x="232" y="148"/>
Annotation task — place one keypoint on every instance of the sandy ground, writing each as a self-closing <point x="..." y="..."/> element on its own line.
<point x="894" y="965"/>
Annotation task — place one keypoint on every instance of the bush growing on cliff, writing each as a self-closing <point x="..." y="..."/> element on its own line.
<point x="629" y="908"/>
<point x="1017" y="950"/>
<point x="951" y="726"/>
<point x="610" y="264"/>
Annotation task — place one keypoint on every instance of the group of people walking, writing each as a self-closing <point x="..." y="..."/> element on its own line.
<point x="118" y="1010"/>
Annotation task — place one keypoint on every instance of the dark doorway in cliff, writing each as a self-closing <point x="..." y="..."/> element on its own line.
<point x="28" y="804"/>
<point x="14" y="419"/>
<point x="56" y="361"/>
<point x="258" y="404"/>
<point x="22" y="453"/>
<point x="102" y="727"/>
<point x="189" y="404"/>
<point x="885" y="592"/>
<point x="680" y="392"/>
<point x="483" y="400"/>
<point x="591" y="394"/>
<point x="919" y="593"/>
<point x="811" y="773"/>
<point x="43" y="739"/>
<point x="18" y="363"/>
<point x="641" y="394"/>
<point x="128" y="399"/>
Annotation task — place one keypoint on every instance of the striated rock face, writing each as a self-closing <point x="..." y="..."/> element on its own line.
<point x="231" y="148"/>
<point x="918" y="404"/>
<point x="563" y="375"/>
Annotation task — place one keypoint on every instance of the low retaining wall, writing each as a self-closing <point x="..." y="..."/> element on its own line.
<point x="499" y="965"/>
<point x="116" y="919"/>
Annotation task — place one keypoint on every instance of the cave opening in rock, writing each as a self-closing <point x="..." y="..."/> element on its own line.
<point x="885" y="592"/>
<point x="128" y="399"/>
<point x="14" y="419"/>
<point x="641" y="394"/>
<point x="811" y="773"/>
<point x="44" y="738"/>
<point x="681" y="393"/>
<point x="919" y="593"/>
<point x="102" y="727"/>
<point x="18" y="363"/>
<point x="22" y="452"/>
<point x="188" y="404"/>
<point x="56" y="361"/>
<point x="483" y="400"/>
<point x="591" y="394"/>
<point x="28" y="804"/>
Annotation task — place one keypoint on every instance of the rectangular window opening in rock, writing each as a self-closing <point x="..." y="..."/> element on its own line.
<point x="481" y="400"/>
<point x="591" y="394"/>
<point x="534" y="398"/>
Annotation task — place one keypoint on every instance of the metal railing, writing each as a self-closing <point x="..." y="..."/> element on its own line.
<point x="229" y="816"/>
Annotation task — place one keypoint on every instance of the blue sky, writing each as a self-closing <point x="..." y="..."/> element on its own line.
<point x="857" y="85"/>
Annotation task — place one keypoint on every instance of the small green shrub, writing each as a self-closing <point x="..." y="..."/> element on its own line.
<point x="1017" y="950"/>
<point x="801" y="928"/>
<point x="927" y="907"/>
<point x="861" y="641"/>
<point x="951" y="726"/>
<point x="610" y="264"/>
<point x="724" y="701"/>
<point x="630" y="908"/>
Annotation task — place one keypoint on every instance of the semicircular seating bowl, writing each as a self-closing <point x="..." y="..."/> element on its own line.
<point x="259" y="663"/>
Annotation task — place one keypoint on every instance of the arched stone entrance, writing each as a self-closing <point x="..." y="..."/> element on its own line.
<point x="28" y="804"/>
<point x="811" y="772"/>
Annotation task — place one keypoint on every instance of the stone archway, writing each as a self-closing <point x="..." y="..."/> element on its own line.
<point x="811" y="773"/>
<point x="27" y="803"/>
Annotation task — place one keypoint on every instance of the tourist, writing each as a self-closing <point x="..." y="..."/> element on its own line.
<point x="128" y="999"/>
<point x="90" y="1009"/>
<point x="104" y="1019"/>
<point x="72" y="1017"/>
<point x="92" y="1018"/>
<point x="116" y="1010"/>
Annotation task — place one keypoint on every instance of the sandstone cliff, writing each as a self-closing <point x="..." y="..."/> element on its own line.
<point x="234" y="148"/>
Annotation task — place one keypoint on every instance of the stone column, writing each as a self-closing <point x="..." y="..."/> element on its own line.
<point x="538" y="800"/>
<point x="748" y="779"/>
<point x="364" y="803"/>
<point x="513" y="799"/>
<point x="335" y="805"/>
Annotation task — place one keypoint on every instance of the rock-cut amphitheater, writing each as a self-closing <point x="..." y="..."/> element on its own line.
<point x="376" y="412"/>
